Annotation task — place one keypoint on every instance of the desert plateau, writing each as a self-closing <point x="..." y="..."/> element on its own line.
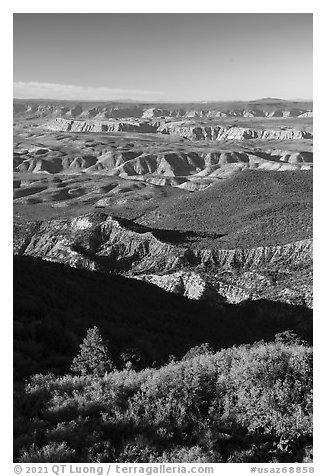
<point x="163" y="247"/>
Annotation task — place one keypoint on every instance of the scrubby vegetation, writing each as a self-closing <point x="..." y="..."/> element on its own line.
<point x="98" y="379"/>
<point x="109" y="369"/>
<point x="249" y="209"/>
<point x="55" y="305"/>
<point x="252" y="208"/>
<point x="251" y="403"/>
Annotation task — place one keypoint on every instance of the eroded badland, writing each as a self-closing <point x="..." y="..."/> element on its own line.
<point x="173" y="234"/>
<point x="213" y="201"/>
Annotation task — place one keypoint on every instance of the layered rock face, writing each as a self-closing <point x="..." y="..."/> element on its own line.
<point x="267" y="108"/>
<point x="103" y="243"/>
<point x="181" y="129"/>
<point x="232" y="288"/>
<point x="66" y="125"/>
<point x="218" y="133"/>
<point x="190" y="147"/>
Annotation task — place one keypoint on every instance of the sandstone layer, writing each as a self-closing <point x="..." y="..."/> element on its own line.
<point x="107" y="244"/>
<point x="87" y="110"/>
<point x="183" y="129"/>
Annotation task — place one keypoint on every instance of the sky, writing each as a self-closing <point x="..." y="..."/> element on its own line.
<point x="162" y="56"/>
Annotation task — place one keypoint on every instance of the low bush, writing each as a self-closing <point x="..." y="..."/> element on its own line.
<point x="242" y="404"/>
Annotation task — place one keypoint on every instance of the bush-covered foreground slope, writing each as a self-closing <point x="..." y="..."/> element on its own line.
<point x="242" y="404"/>
<point x="54" y="305"/>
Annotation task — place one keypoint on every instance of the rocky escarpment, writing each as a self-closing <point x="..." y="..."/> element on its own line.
<point x="221" y="133"/>
<point x="182" y="129"/>
<point x="231" y="287"/>
<point x="100" y="242"/>
<point x="68" y="109"/>
<point x="66" y="125"/>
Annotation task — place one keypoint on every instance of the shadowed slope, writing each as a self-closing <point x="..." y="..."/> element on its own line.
<point x="54" y="306"/>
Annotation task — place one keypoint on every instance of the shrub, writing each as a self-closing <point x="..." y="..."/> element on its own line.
<point x="243" y="404"/>
<point x="194" y="454"/>
<point x="51" y="453"/>
<point x="138" y="450"/>
<point x="203" y="349"/>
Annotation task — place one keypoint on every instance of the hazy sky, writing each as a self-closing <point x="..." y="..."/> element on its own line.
<point x="164" y="56"/>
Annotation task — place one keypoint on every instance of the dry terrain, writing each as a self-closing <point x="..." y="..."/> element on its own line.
<point x="176" y="240"/>
<point x="159" y="190"/>
<point x="70" y="156"/>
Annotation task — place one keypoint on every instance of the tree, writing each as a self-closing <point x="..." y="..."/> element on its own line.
<point x="93" y="357"/>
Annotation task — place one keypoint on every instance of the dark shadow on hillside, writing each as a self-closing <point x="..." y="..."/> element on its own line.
<point x="168" y="236"/>
<point x="54" y="305"/>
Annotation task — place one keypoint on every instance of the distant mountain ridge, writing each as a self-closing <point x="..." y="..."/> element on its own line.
<point x="268" y="100"/>
<point x="268" y="107"/>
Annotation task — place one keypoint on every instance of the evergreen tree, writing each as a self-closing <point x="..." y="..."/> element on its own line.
<point x="93" y="357"/>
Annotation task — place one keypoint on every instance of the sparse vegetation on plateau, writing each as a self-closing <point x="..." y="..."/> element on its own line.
<point x="253" y="208"/>
<point x="209" y="201"/>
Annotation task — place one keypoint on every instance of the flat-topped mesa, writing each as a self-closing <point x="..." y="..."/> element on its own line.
<point x="66" y="125"/>
<point x="182" y="129"/>
<point x="86" y="110"/>
<point x="220" y="133"/>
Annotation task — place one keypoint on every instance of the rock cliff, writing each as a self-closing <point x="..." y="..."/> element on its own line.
<point x="66" y="125"/>
<point x="220" y="133"/>
<point x="108" y="244"/>
<point x="183" y="129"/>
<point x="87" y="110"/>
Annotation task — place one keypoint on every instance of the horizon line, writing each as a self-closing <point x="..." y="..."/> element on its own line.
<point x="126" y="100"/>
